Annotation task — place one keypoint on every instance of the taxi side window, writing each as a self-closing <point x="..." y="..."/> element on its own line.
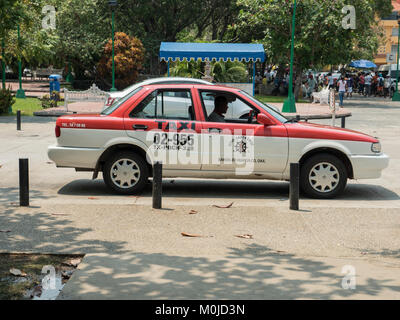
<point x="165" y="104"/>
<point x="238" y="111"/>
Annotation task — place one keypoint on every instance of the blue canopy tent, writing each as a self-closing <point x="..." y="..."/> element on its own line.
<point x="364" y="64"/>
<point x="181" y="51"/>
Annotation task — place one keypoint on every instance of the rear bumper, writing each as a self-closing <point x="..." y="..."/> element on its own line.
<point x="369" y="167"/>
<point x="74" y="157"/>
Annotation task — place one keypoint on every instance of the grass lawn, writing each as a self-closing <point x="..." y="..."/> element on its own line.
<point x="276" y="99"/>
<point x="27" y="106"/>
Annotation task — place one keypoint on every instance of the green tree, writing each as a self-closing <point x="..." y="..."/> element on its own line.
<point x="129" y="55"/>
<point x="83" y="28"/>
<point x="229" y="71"/>
<point x="320" y="38"/>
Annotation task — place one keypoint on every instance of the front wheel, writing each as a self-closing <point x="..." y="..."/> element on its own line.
<point x="323" y="176"/>
<point x="125" y="173"/>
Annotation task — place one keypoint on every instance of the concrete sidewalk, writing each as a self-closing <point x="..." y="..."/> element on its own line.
<point x="251" y="272"/>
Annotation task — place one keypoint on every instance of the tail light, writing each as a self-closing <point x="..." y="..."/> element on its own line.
<point x="58" y="131"/>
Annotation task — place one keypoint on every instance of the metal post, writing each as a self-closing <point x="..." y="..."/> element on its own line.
<point x="3" y="64"/>
<point x="20" y="93"/>
<point x="396" y="95"/>
<point x="23" y="183"/>
<point x="290" y="104"/>
<point x="343" y="124"/>
<point x="157" y="185"/>
<point x="18" y="120"/>
<point x="254" y="78"/>
<point x="168" y="67"/>
<point x="113" y="65"/>
<point x="294" y="186"/>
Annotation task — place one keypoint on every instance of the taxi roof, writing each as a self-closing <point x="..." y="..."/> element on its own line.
<point x="190" y="85"/>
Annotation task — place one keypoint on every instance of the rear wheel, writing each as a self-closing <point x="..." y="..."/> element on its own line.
<point x="323" y="176"/>
<point x="125" y="173"/>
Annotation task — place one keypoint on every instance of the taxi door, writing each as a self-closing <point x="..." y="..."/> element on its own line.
<point x="165" y="121"/>
<point x="237" y="146"/>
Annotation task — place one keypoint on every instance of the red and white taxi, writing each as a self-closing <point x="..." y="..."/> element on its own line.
<point x="169" y="123"/>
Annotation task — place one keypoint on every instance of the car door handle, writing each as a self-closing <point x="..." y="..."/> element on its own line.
<point x="139" y="127"/>
<point x="215" y="130"/>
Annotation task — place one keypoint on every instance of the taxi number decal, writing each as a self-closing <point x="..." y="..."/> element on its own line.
<point x="175" y="139"/>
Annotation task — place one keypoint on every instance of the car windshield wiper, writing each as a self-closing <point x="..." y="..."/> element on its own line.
<point x="293" y="120"/>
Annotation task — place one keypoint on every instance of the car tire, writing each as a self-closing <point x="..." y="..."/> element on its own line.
<point x="323" y="176"/>
<point x="126" y="173"/>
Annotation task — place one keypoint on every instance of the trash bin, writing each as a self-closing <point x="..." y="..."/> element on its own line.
<point x="54" y="83"/>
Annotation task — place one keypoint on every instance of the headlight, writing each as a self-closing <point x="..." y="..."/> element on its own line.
<point x="376" y="147"/>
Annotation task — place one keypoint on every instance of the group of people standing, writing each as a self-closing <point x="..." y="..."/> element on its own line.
<point x="363" y="83"/>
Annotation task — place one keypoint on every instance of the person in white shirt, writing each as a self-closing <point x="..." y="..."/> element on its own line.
<point x="331" y="80"/>
<point x="386" y="86"/>
<point x="342" y="84"/>
<point x="368" y="80"/>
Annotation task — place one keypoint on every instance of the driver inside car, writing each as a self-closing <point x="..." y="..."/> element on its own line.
<point x="220" y="108"/>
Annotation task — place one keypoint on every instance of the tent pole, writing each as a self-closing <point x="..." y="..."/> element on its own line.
<point x="254" y="78"/>
<point x="168" y="68"/>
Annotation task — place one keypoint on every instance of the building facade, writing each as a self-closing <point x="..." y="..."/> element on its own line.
<point x="387" y="52"/>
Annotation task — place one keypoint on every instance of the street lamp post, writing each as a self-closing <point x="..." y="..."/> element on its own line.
<point x="396" y="95"/>
<point x="3" y="64"/>
<point x="113" y="4"/>
<point x="20" y="92"/>
<point x="289" y="104"/>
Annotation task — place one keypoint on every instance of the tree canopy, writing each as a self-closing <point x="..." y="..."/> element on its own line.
<point x="83" y="27"/>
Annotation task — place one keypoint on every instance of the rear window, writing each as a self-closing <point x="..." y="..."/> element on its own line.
<point x="120" y="102"/>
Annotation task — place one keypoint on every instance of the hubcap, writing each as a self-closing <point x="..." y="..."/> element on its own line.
<point x="125" y="173"/>
<point x="324" y="177"/>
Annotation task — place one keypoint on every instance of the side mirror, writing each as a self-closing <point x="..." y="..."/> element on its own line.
<point x="265" y="120"/>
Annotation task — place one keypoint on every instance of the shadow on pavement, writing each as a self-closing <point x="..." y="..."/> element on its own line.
<point x="27" y="119"/>
<point x="251" y="272"/>
<point x="47" y="233"/>
<point x="10" y="196"/>
<point x="226" y="189"/>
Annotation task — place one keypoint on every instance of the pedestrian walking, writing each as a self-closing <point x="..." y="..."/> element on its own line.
<point x="386" y="86"/>
<point x="380" y="84"/>
<point x="350" y="83"/>
<point x="311" y="85"/>
<point x="330" y="81"/>
<point x="342" y="84"/>
<point x="368" y="81"/>
<point x="361" y="82"/>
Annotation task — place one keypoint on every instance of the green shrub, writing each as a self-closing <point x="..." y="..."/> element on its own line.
<point x="6" y="100"/>
<point x="50" y="102"/>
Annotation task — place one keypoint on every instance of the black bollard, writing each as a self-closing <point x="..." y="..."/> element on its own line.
<point x="157" y="185"/>
<point x="294" y="186"/>
<point x="18" y="120"/>
<point x="23" y="183"/>
<point x="343" y="122"/>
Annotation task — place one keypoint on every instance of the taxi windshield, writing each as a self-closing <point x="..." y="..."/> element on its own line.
<point x="270" y="109"/>
<point x="120" y="102"/>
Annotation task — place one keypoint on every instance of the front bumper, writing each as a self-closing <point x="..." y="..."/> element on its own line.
<point x="369" y="167"/>
<point x="74" y="157"/>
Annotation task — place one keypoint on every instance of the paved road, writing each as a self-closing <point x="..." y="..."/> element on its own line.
<point x="135" y="252"/>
